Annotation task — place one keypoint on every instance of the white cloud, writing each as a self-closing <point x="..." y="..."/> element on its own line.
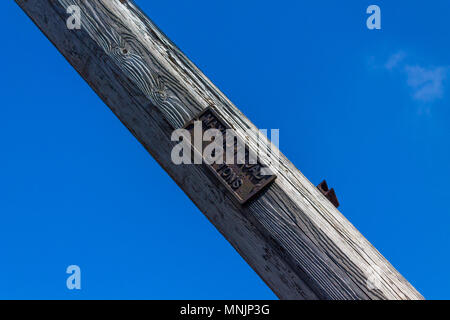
<point x="394" y="60"/>
<point x="427" y="83"/>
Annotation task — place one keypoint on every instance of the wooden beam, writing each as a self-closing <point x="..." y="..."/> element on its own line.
<point x="291" y="235"/>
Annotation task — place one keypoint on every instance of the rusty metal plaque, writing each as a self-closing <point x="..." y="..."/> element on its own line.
<point x="242" y="178"/>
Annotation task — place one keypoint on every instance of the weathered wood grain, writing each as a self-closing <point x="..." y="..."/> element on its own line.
<point x="291" y="235"/>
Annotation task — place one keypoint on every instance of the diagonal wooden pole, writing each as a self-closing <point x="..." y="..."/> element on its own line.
<point x="290" y="234"/>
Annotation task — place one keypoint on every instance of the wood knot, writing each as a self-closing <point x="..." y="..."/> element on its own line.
<point x="161" y="95"/>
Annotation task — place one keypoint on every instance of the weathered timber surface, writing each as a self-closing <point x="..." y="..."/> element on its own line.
<point x="291" y="235"/>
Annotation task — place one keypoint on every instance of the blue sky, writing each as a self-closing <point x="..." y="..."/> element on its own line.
<point x="366" y="109"/>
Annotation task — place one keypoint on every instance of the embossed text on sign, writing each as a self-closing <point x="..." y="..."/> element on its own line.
<point x="243" y="178"/>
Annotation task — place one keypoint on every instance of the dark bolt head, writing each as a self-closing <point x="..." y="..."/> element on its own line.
<point x="328" y="193"/>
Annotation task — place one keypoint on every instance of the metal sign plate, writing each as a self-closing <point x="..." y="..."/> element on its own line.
<point x="243" y="180"/>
